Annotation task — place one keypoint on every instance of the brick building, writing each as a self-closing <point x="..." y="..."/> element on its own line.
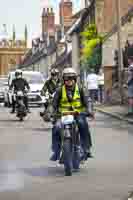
<point x="65" y="13"/>
<point x="48" y="22"/>
<point x="107" y="12"/>
<point x="49" y="28"/>
<point x="11" y="50"/>
<point x="50" y="47"/>
<point x="110" y="45"/>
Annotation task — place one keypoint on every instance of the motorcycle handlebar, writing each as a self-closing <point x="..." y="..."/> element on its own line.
<point x="85" y="114"/>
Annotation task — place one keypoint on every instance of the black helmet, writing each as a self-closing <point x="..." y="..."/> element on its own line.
<point x="54" y="72"/>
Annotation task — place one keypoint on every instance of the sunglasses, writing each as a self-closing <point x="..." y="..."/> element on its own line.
<point x="69" y="79"/>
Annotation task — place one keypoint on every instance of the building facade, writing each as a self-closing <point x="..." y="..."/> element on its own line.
<point x="106" y="13"/>
<point x="11" y="51"/>
<point x="109" y="48"/>
<point x="65" y="13"/>
<point x="47" y="50"/>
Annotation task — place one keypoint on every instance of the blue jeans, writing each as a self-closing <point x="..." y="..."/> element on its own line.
<point x="101" y="93"/>
<point x="85" y="136"/>
<point x="93" y="94"/>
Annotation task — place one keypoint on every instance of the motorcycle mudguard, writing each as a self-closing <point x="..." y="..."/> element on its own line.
<point x="68" y="119"/>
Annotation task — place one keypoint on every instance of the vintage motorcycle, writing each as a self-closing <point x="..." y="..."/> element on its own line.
<point x="46" y="115"/>
<point x="70" y="137"/>
<point x="21" y="111"/>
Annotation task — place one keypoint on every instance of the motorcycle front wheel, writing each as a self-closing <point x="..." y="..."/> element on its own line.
<point x="67" y="148"/>
<point x="76" y="159"/>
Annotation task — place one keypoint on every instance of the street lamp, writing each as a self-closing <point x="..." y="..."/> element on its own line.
<point x="120" y="54"/>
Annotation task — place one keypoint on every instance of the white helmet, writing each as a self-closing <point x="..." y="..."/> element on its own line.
<point x="18" y="72"/>
<point x="54" y="72"/>
<point x="69" y="72"/>
<point x="131" y="67"/>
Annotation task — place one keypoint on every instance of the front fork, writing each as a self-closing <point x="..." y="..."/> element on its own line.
<point x="71" y="133"/>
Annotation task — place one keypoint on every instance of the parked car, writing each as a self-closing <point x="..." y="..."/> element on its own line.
<point x="3" y="88"/>
<point x="36" y="82"/>
<point x="1" y="94"/>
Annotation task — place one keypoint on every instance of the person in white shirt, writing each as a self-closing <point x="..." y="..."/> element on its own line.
<point x="92" y="85"/>
<point x="101" y="85"/>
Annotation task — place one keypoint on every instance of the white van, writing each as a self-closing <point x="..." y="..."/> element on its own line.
<point x="36" y="82"/>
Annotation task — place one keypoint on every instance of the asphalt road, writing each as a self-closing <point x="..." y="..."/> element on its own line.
<point x="27" y="174"/>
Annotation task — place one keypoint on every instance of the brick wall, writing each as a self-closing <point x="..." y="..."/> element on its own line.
<point x="109" y="11"/>
<point x="51" y="22"/>
<point x="9" y="58"/>
<point x="48" y="21"/>
<point x="66" y="11"/>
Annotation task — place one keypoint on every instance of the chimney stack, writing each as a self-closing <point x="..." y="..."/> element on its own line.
<point x="65" y="13"/>
<point x="48" y="22"/>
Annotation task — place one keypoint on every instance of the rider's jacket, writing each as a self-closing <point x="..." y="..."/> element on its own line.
<point x="74" y="104"/>
<point x="74" y="99"/>
<point x="50" y="86"/>
<point x="19" y="84"/>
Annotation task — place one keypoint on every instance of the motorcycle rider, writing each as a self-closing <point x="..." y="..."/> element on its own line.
<point x="50" y="86"/>
<point x="19" y="83"/>
<point x="71" y="97"/>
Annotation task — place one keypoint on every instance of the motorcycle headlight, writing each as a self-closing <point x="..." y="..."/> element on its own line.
<point x="19" y="93"/>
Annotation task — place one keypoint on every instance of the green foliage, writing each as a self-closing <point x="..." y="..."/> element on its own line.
<point x="89" y="45"/>
<point x="89" y="32"/>
<point x="96" y="59"/>
<point x="91" y="42"/>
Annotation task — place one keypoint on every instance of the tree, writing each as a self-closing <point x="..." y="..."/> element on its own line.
<point x="91" y="52"/>
<point x="96" y="58"/>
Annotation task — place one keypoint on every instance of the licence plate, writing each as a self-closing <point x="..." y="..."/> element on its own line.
<point x="68" y="119"/>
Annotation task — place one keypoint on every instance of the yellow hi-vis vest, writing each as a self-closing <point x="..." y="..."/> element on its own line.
<point x="75" y="105"/>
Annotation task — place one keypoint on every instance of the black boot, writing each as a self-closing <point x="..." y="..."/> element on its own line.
<point x="42" y="114"/>
<point x="28" y="111"/>
<point x="27" y="108"/>
<point x="88" y="155"/>
<point x="12" y="111"/>
<point x="55" y="156"/>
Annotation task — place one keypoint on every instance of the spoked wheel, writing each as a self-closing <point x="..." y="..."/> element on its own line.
<point x="68" y="157"/>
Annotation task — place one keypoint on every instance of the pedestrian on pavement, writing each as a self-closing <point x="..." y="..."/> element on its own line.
<point x="92" y="85"/>
<point x="130" y="88"/>
<point x="101" y="85"/>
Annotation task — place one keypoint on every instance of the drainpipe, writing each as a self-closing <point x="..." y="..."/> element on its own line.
<point x="120" y="54"/>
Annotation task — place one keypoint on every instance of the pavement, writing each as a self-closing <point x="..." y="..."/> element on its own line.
<point x="115" y="111"/>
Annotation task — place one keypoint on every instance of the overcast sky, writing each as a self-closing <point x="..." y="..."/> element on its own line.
<point x="27" y="12"/>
